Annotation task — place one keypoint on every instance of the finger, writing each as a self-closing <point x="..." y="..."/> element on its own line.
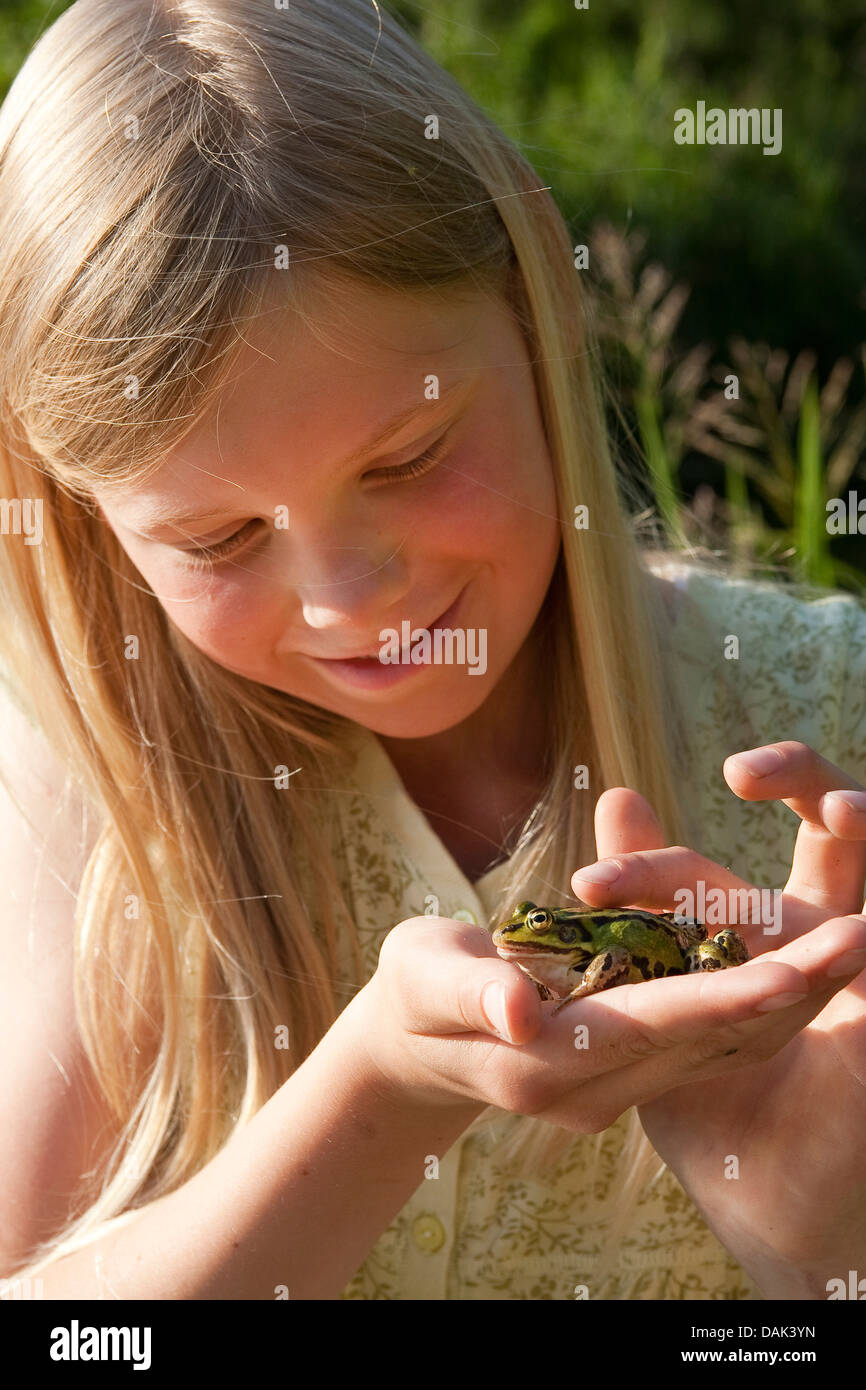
<point x="787" y="771"/>
<point x="624" y="821"/>
<point x="827" y="871"/>
<point x="844" y="813"/>
<point x="439" y="994"/>
<point x="678" y="878"/>
<point x="732" y="1019"/>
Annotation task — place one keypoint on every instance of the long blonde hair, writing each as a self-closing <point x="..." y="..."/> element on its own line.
<point x="153" y="161"/>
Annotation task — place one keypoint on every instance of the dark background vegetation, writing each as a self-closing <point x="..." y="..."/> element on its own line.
<point x="704" y="259"/>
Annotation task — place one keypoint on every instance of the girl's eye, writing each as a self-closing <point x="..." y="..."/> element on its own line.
<point x="205" y="555"/>
<point x="415" y="467"/>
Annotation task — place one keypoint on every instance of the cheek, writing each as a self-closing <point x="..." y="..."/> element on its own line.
<point x="224" y="616"/>
<point x="496" y="502"/>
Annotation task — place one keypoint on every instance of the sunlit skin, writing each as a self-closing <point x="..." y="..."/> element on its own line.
<point x="364" y="551"/>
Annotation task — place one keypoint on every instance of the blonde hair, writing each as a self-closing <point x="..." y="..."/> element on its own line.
<point x="152" y="161"/>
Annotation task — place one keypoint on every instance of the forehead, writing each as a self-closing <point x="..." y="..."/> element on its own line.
<point x="312" y="387"/>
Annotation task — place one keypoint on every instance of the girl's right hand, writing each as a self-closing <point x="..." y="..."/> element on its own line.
<point x="445" y="1019"/>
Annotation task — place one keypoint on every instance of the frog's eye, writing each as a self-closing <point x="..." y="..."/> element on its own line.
<point x="539" y="920"/>
<point x="567" y="934"/>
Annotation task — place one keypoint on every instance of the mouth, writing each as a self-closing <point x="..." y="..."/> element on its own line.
<point x="528" y="948"/>
<point x="369" y="673"/>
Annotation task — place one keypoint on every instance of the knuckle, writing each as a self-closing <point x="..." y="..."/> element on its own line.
<point x="796" y="746"/>
<point x="682" y="850"/>
<point x="715" y="1047"/>
<point x="637" y="1047"/>
<point x="402" y="938"/>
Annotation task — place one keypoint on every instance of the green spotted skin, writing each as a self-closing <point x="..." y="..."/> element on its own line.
<point x="575" y="953"/>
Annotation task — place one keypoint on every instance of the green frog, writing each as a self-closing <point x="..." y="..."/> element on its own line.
<point x="575" y="953"/>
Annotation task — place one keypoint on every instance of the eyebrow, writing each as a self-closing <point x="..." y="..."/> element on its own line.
<point x="160" y="516"/>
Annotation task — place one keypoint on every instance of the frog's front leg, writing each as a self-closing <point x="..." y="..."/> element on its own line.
<point x="608" y="968"/>
<point x="543" y="991"/>
<point x="725" y="949"/>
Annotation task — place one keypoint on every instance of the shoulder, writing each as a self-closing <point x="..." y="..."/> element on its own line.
<point x="716" y="592"/>
<point x="752" y="662"/>
<point x="773" y="655"/>
<point x="771" y="617"/>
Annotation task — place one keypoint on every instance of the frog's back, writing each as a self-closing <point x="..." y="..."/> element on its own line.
<point x="652" y="942"/>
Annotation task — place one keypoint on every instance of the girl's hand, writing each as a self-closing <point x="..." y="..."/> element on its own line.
<point x="435" y="1034"/>
<point x="768" y="1139"/>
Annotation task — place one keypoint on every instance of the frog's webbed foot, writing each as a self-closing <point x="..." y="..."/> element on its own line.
<point x="732" y="945"/>
<point x="608" y="968"/>
<point x="725" y="949"/>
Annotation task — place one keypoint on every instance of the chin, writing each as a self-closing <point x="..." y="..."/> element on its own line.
<point x="422" y="718"/>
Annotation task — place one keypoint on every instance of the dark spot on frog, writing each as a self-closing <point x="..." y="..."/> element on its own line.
<point x="659" y="969"/>
<point x="732" y="1052"/>
<point x="642" y="964"/>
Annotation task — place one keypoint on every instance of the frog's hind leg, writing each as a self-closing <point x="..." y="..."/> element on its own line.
<point x="732" y="945"/>
<point x="608" y="968"/>
<point x="705" y="956"/>
<point x="725" y="949"/>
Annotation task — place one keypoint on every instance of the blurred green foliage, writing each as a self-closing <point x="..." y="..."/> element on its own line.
<point x="21" y="21"/>
<point x="768" y="252"/>
<point x="773" y="247"/>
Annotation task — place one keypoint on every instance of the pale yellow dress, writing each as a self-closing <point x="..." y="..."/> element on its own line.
<point x="476" y="1231"/>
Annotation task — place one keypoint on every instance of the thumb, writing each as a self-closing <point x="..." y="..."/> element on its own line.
<point x="484" y="995"/>
<point x="507" y="1006"/>
<point x="449" y="980"/>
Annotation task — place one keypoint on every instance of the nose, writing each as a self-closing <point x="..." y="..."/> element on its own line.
<point x="350" y="588"/>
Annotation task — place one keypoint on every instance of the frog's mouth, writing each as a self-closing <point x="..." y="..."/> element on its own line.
<point x="553" y="966"/>
<point x="528" y="948"/>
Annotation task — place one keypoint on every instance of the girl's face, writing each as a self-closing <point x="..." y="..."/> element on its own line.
<point x="327" y="531"/>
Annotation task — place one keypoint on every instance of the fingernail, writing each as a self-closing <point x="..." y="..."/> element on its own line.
<point x="850" y="964"/>
<point x="493" y="1008"/>
<point x="605" y="871"/>
<point x="780" y="1001"/>
<point x="855" y="800"/>
<point x="760" y="761"/>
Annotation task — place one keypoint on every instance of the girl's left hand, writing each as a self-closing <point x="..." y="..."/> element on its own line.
<point x="771" y="1153"/>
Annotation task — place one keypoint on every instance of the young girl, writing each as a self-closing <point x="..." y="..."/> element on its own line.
<point x="295" y="370"/>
